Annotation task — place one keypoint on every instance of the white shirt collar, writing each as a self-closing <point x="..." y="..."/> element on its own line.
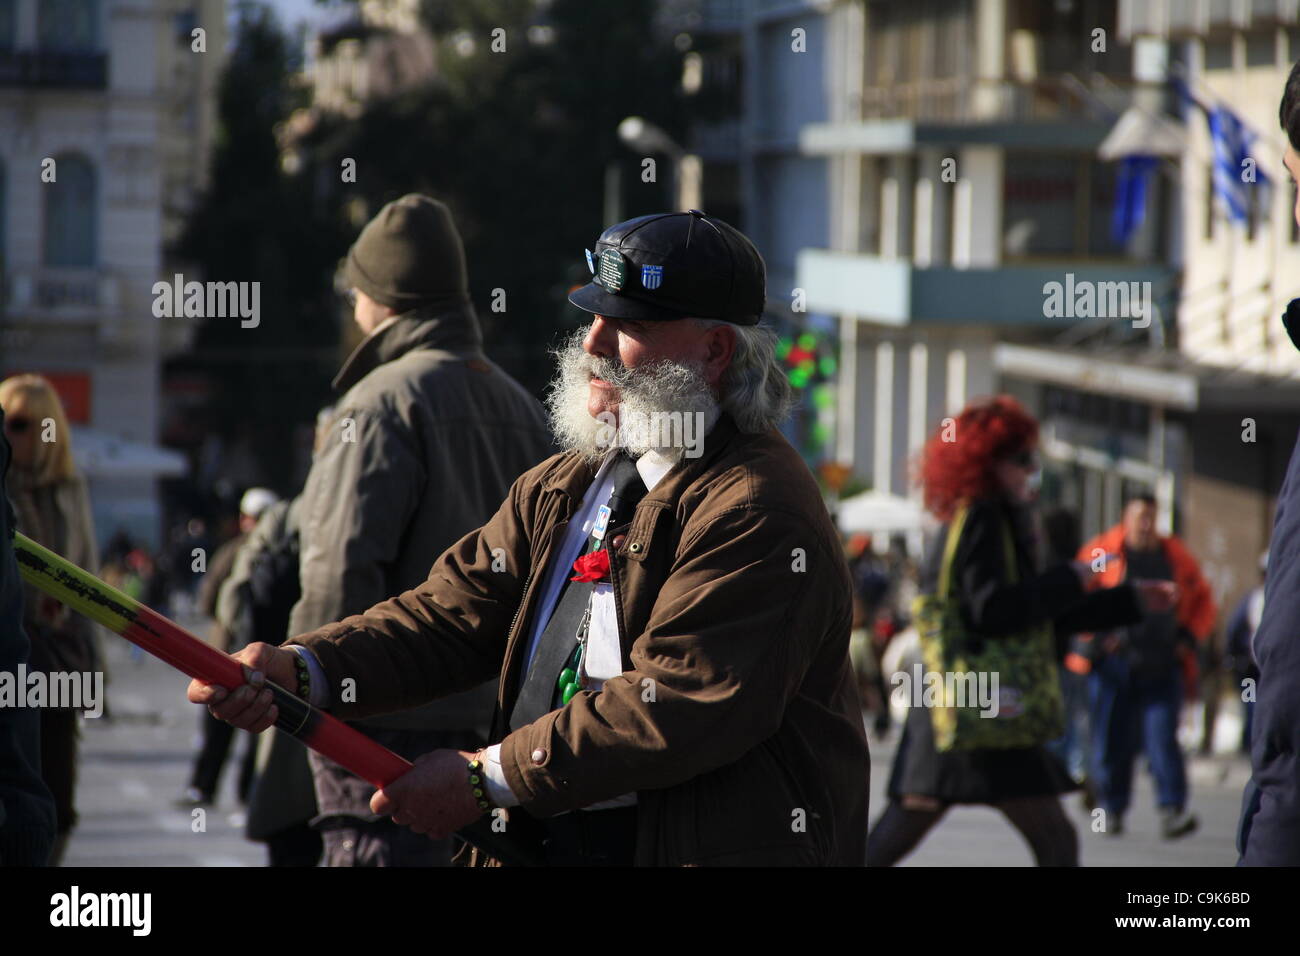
<point x="652" y="467"/>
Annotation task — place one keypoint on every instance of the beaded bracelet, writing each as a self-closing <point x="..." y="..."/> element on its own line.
<point x="478" y="784"/>
<point x="304" y="676"/>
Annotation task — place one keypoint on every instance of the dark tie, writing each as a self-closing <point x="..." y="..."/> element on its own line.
<point x="539" y="694"/>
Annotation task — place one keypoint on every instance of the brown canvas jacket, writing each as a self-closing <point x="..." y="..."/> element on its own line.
<point x="737" y="720"/>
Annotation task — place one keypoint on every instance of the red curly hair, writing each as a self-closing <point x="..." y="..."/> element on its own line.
<point x="957" y="462"/>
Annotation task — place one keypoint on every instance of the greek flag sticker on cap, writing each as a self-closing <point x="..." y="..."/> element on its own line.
<point x="591" y="263"/>
<point x="611" y="272"/>
<point x="652" y="276"/>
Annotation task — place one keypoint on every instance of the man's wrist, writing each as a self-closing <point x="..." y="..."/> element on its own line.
<point x="478" y="787"/>
<point x="319" y="696"/>
<point x="498" y="788"/>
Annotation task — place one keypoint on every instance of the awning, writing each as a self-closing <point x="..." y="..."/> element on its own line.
<point x="1140" y="132"/>
<point x="101" y="455"/>
<point x="879" y="513"/>
<point x="1160" y="377"/>
<point x="1117" y="374"/>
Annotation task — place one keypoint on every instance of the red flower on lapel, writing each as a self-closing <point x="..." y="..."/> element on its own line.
<point x="592" y="567"/>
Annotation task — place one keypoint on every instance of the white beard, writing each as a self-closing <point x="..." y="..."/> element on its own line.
<point x="666" y="407"/>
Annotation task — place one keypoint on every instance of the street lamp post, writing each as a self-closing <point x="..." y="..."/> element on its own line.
<point x="685" y="186"/>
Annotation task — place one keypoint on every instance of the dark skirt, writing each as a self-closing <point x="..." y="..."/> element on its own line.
<point x="971" y="776"/>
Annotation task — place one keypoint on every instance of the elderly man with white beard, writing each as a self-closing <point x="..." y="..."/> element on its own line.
<point x="665" y="603"/>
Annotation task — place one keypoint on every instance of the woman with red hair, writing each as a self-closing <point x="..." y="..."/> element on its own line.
<point x="986" y="461"/>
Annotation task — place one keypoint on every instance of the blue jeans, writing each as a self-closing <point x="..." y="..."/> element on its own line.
<point x="1072" y="747"/>
<point x="1131" y="714"/>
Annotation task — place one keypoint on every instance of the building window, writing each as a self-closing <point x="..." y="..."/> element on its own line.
<point x="1218" y="53"/>
<point x="1061" y="205"/>
<point x="1040" y="206"/>
<point x="8" y="23"/>
<point x="71" y="214"/>
<point x="184" y="24"/>
<point x="1261" y="48"/>
<point x="70" y="26"/>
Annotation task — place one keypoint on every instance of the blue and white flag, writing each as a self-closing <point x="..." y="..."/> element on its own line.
<point x="1236" y="172"/>
<point x="652" y="276"/>
<point x="1131" y="196"/>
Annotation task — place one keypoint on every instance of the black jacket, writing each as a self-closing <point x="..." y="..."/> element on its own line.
<point x="995" y="607"/>
<point x="26" y="807"/>
<point x="1270" y="824"/>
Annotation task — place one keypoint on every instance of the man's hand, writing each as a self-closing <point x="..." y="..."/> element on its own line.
<point x="1157" y="596"/>
<point x="433" y="797"/>
<point x="249" y="707"/>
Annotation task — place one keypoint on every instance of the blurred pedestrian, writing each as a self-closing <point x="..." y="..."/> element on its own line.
<point x="282" y="803"/>
<point x="27" y="816"/>
<point x="871" y="586"/>
<point x="428" y="436"/>
<point x="185" y="571"/>
<point x="217" y="735"/>
<point x="1240" y="646"/>
<point x="1141" y="673"/>
<point x="989" y="475"/>
<point x="258" y="598"/>
<point x="53" y="509"/>
<point x="1062" y="536"/>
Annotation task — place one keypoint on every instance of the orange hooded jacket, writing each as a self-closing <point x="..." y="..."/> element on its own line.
<point x="1196" y="612"/>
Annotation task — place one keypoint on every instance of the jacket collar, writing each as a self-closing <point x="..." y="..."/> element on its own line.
<point x="453" y="329"/>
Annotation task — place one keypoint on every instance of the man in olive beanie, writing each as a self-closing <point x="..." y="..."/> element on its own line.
<point x="426" y="440"/>
<point x="410" y="255"/>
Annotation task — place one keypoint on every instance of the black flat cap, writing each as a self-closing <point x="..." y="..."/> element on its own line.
<point x="673" y="265"/>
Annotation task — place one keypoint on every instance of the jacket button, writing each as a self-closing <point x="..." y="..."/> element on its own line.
<point x="539" y="755"/>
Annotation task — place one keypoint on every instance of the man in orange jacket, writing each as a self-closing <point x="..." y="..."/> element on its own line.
<point x="1137" y="673"/>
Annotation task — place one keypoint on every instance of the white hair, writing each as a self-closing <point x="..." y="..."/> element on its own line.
<point x="660" y="399"/>
<point x="754" y="388"/>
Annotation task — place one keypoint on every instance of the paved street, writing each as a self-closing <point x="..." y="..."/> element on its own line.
<point x="134" y="765"/>
<point x="975" y="836"/>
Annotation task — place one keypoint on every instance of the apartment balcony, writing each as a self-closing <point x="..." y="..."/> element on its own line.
<point x="49" y="69"/>
<point x="1053" y="112"/>
<point x="895" y="292"/>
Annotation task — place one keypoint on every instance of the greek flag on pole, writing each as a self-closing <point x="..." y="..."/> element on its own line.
<point x="1131" y="196"/>
<point x="1233" y="178"/>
